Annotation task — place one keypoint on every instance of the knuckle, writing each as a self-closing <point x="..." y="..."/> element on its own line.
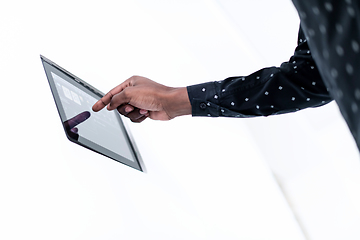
<point x="126" y="94"/>
<point x="133" y="78"/>
<point x="136" y="79"/>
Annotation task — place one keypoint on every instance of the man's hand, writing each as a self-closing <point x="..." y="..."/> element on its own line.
<point x="138" y="98"/>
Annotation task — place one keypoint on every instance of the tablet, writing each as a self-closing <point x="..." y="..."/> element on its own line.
<point x="102" y="132"/>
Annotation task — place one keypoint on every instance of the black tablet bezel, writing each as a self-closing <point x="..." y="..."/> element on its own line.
<point x="49" y="67"/>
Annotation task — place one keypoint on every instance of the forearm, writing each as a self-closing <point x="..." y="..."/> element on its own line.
<point x="293" y="86"/>
<point x="268" y="91"/>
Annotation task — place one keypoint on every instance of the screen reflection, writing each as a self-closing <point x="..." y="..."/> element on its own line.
<point x="70" y="125"/>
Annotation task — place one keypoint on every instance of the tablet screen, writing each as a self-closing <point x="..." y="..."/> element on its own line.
<point x="101" y="131"/>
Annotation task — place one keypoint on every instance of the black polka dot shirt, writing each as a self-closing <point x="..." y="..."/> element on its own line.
<point x="293" y="86"/>
<point x="332" y="28"/>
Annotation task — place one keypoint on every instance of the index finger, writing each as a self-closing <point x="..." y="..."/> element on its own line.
<point x="105" y="100"/>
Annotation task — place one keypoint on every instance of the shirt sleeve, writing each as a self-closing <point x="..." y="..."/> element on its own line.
<point x="293" y="86"/>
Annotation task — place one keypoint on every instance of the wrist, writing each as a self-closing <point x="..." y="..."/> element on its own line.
<point x="177" y="102"/>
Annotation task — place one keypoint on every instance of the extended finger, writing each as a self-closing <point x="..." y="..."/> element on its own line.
<point x="106" y="99"/>
<point x="102" y="102"/>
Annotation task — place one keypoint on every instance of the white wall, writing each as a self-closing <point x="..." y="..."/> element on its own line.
<point x="206" y="178"/>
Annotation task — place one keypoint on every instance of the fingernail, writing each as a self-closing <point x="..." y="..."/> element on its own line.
<point x="128" y="109"/>
<point x="143" y="112"/>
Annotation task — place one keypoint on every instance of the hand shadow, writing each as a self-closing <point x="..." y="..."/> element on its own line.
<point x="70" y="125"/>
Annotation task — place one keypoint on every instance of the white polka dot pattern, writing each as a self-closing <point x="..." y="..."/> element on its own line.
<point x="333" y="29"/>
<point x="294" y="85"/>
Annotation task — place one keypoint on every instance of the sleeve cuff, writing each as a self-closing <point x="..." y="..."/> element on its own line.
<point x="204" y="99"/>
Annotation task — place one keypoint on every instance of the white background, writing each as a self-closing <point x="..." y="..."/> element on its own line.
<point x="294" y="176"/>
